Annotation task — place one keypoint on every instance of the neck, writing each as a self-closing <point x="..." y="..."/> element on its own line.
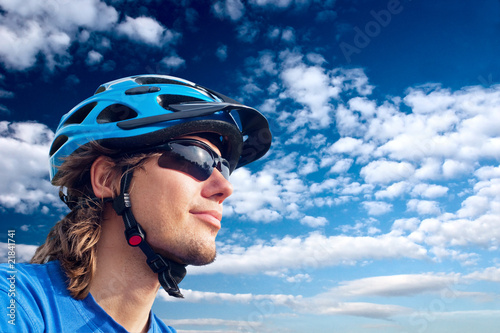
<point x="123" y="284"/>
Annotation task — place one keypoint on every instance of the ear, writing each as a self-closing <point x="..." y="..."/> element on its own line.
<point x="102" y="177"/>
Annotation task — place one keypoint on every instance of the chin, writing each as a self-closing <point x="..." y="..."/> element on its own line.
<point x="195" y="251"/>
<point x="199" y="258"/>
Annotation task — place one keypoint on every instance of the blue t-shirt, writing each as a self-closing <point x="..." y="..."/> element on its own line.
<point x="35" y="299"/>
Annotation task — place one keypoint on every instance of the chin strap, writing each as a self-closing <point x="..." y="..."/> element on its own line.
<point x="170" y="273"/>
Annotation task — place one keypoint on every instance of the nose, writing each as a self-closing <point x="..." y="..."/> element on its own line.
<point x="217" y="187"/>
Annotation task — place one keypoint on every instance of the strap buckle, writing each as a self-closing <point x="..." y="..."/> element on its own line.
<point x="121" y="203"/>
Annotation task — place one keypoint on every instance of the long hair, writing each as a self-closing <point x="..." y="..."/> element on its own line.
<point x="73" y="239"/>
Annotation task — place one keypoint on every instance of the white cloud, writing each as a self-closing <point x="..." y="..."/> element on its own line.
<point x="488" y="172"/>
<point x="146" y="30"/>
<point x="363" y="309"/>
<point x="307" y="166"/>
<point x="6" y="94"/>
<point x="247" y="31"/>
<point x="486" y="200"/>
<point x="206" y="322"/>
<point x="314" y="222"/>
<point x="352" y="147"/>
<point x="422" y="103"/>
<point x="361" y="228"/>
<point x="353" y="80"/>
<point x="65" y="14"/>
<point x="377" y="207"/>
<point x="341" y="166"/>
<point x="338" y="300"/>
<point x="384" y="172"/>
<point x="424" y="207"/>
<point x="24" y="149"/>
<point x="273" y="33"/>
<point x="488" y="274"/>
<point x="318" y="305"/>
<point x="251" y="88"/>
<point x="393" y="191"/>
<point x="19" y="49"/>
<point x="195" y="296"/>
<point x="264" y="215"/>
<point x="346" y="145"/>
<point x="264" y="64"/>
<point x="51" y="27"/>
<point x="272" y="3"/>
<point x="93" y="58"/>
<point x="315" y="58"/>
<point x="314" y="88"/>
<point x="482" y="231"/>
<point x="312" y="251"/>
<point x="276" y="192"/>
<point x="395" y="285"/>
<point x="310" y="86"/>
<point x="4" y="109"/>
<point x="474" y="206"/>
<point x="403" y="156"/>
<point x="221" y="52"/>
<point x="453" y="169"/>
<point x="48" y="27"/>
<point x="257" y="196"/>
<point x="356" y="188"/>
<point x="326" y="185"/>
<point x="269" y="106"/>
<point x="172" y="62"/>
<point x="430" y="169"/>
<point x="403" y="225"/>
<point x="430" y="191"/>
<point x="444" y="136"/>
<point x="288" y="35"/>
<point x="363" y="105"/>
<point x="232" y="9"/>
<point x="299" y="278"/>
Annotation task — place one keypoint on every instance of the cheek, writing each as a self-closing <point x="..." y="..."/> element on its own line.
<point x="162" y="198"/>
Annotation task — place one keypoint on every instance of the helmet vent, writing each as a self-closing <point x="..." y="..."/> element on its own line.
<point x="166" y="100"/>
<point x="114" y="113"/>
<point x="158" y="80"/>
<point x="100" y="90"/>
<point x="79" y="115"/>
<point x="142" y="90"/>
<point x="58" y="142"/>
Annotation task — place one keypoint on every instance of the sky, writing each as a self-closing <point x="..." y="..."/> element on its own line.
<point x="377" y="208"/>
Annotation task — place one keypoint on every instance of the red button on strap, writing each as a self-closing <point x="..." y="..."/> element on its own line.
<point x="135" y="240"/>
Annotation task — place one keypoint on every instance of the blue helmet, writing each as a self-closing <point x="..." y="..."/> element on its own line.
<point x="140" y="112"/>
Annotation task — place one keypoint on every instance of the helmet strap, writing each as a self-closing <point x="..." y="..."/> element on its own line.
<point x="170" y="273"/>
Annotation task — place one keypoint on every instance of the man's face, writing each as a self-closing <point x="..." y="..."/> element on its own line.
<point x="180" y="214"/>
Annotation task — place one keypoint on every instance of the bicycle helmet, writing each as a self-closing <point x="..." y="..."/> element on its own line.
<point x="140" y="112"/>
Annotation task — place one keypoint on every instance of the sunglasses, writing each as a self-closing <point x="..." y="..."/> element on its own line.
<point x="192" y="157"/>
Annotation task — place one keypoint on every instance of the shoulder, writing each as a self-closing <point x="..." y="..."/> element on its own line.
<point x="25" y="270"/>
<point x="27" y="289"/>
<point x="19" y="286"/>
<point x="26" y="277"/>
<point x="158" y="326"/>
<point x="33" y="278"/>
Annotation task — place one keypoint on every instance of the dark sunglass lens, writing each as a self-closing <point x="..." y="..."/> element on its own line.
<point x="193" y="158"/>
<point x="189" y="159"/>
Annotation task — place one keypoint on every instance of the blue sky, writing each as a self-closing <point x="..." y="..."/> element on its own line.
<point x="377" y="208"/>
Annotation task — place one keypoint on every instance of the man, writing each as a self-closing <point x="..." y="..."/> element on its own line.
<point x="149" y="157"/>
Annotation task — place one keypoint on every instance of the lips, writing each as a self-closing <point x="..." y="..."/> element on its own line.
<point x="212" y="217"/>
